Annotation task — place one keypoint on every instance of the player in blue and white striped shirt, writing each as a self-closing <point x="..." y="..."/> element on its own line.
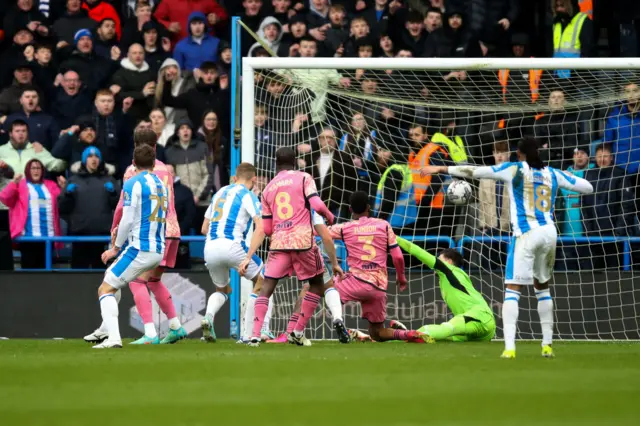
<point x="532" y="188"/>
<point x="228" y="219"/>
<point x="142" y="228"/>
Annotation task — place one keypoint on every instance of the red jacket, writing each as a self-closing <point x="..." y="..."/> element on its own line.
<point x="179" y="10"/>
<point x="102" y="11"/>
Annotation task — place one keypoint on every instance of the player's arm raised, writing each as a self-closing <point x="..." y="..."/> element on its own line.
<point x="573" y="183"/>
<point x="504" y="172"/>
<point x="330" y="248"/>
<point x="311" y="194"/>
<point x="398" y="259"/>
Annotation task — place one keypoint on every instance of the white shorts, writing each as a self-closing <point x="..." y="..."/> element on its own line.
<point x="532" y="255"/>
<point x="221" y="255"/>
<point x="129" y="265"/>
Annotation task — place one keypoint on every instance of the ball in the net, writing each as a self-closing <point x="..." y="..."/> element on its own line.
<point x="459" y="192"/>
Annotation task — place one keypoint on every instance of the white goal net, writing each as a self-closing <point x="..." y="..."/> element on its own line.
<point x="351" y="120"/>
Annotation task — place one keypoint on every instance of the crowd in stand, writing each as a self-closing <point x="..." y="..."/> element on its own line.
<point x="78" y="77"/>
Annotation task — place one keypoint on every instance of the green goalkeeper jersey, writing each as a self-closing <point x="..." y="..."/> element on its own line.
<point x="455" y="285"/>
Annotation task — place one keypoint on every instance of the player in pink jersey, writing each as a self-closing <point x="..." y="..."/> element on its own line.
<point x="151" y="280"/>
<point x="368" y="241"/>
<point x="287" y="202"/>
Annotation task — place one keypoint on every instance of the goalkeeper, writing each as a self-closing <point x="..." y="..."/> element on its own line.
<point x="473" y="318"/>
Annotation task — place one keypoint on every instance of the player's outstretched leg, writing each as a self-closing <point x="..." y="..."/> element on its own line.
<point x="164" y="300"/>
<point x="455" y="326"/>
<point x="260" y="309"/>
<point x="381" y="334"/>
<point x="142" y="300"/>
<point x="216" y="301"/>
<point x="307" y="308"/>
<point x="510" y="311"/>
<point x="545" y="311"/>
<point x="109" y="310"/>
<point x="265" y="333"/>
<point x="100" y="334"/>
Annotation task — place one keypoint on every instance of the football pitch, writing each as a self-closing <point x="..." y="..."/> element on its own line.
<point x="47" y="382"/>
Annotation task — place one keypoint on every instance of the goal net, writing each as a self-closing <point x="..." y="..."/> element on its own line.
<point x="351" y="120"/>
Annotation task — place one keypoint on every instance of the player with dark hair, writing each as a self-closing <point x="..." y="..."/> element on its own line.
<point x="473" y="318"/>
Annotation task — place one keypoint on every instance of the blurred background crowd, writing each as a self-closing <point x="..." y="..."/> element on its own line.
<point x="77" y="77"/>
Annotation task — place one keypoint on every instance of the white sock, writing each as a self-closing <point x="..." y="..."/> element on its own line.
<point x="545" y="311"/>
<point x="510" y="317"/>
<point x="174" y="323"/>
<point x="109" y="309"/>
<point x="103" y="326"/>
<point x="216" y="300"/>
<point x="249" y="312"/>
<point x="267" y="317"/>
<point x="332" y="300"/>
<point x="150" y="330"/>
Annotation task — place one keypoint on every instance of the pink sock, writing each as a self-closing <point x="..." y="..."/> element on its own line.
<point x="163" y="297"/>
<point x="401" y="334"/>
<point x="309" y="304"/>
<point x="143" y="300"/>
<point x="260" y="310"/>
<point x="292" y="322"/>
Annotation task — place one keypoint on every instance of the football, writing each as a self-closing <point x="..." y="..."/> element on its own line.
<point x="459" y="192"/>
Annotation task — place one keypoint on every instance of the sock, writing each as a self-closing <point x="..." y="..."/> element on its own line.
<point x="248" y="316"/>
<point x="292" y="323"/>
<point x="142" y="299"/>
<point x="109" y="310"/>
<point x="163" y="298"/>
<point x="332" y="300"/>
<point x="216" y="300"/>
<point x="401" y="334"/>
<point x="261" y="306"/>
<point x="267" y="317"/>
<point x="510" y="318"/>
<point x="447" y="329"/>
<point x="150" y="330"/>
<point x="103" y="326"/>
<point x="545" y="311"/>
<point x="309" y="304"/>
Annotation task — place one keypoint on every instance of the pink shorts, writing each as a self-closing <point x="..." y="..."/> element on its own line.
<point x="170" y="252"/>
<point x="306" y="264"/>
<point x="372" y="300"/>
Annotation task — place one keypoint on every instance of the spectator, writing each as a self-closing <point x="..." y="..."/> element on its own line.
<point x="609" y="210"/>
<point x="224" y="58"/>
<point x="494" y="212"/>
<point x="186" y="212"/>
<point x="130" y="7"/>
<point x="74" y="20"/>
<point x="94" y="70"/>
<point x="176" y="15"/>
<point x="377" y="17"/>
<point x="33" y="211"/>
<point x="270" y="33"/>
<point x="432" y="20"/>
<point x="210" y="92"/>
<point x="290" y="42"/>
<point x="105" y="38"/>
<point x="156" y="51"/>
<point x="318" y="18"/>
<point x="333" y="171"/>
<point x="6" y="176"/>
<point x="181" y="83"/>
<point x="73" y="143"/>
<point x="132" y="32"/>
<point x="218" y="152"/>
<point x="490" y="21"/>
<point x="18" y="151"/>
<point x="387" y="47"/>
<point x="408" y="33"/>
<point x="198" y="46"/>
<point x="14" y="55"/>
<point x="70" y="100"/>
<point x="572" y="34"/>
<point x="43" y="128"/>
<point x="622" y="130"/>
<point x="282" y="11"/>
<point x="189" y="157"/>
<point x="557" y="131"/>
<point x="45" y="69"/>
<point x="162" y="129"/>
<point x="99" y="10"/>
<point x="252" y="16"/>
<point x="134" y="80"/>
<point x="453" y="40"/>
<point x="359" y="144"/>
<point x="87" y="203"/>
<point x="25" y="14"/>
<point x="10" y="96"/>
<point x="359" y="30"/>
<point x="264" y="139"/>
<point x="338" y="33"/>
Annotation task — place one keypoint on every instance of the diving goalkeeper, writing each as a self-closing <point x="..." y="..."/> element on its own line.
<point x="473" y="318"/>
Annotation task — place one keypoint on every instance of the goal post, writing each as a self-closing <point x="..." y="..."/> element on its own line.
<point x="596" y="286"/>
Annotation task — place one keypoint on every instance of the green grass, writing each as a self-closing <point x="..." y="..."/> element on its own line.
<point x="192" y="383"/>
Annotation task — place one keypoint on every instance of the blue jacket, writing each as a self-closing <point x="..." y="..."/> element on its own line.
<point x="42" y="127"/>
<point x="622" y="129"/>
<point x="190" y="54"/>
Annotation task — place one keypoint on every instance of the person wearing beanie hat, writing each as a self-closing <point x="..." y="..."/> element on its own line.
<point x="87" y="203"/>
<point x="81" y="33"/>
<point x="291" y="40"/>
<point x="73" y="20"/>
